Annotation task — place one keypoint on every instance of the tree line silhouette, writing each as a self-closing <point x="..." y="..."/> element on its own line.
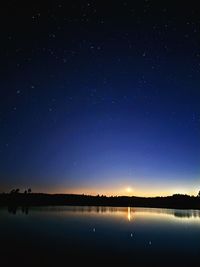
<point x="16" y="199"/>
<point x="16" y="191"/>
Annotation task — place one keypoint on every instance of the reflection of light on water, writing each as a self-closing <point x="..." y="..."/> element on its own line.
<point x="144" y="215"/>
<point x="129" y="213"/>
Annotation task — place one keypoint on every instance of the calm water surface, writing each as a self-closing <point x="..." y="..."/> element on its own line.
<point x="99" y="236"/>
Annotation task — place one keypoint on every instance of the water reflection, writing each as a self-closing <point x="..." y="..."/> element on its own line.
<point x="14" y="209"/>
<point x="128" y="235"/>
<point x="126" y="212"/>
<point x="187" y="213"/>
<point x="129" y="214"/>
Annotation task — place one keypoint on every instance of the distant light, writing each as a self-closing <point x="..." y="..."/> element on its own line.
<point x="128" y="189"/>
<point x="94" y="230"/>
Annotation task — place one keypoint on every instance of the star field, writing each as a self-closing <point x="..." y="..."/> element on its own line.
<point x="97" y="97"/>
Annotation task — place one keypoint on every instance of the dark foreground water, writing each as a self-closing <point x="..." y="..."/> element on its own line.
<point x="99" y="236"/>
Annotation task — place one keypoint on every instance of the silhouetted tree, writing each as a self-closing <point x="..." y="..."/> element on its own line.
<point x="198" y="194"/>
<point x="14" y="191"/>
<point x="25" y="192"/>
<point x="29" y="190"/>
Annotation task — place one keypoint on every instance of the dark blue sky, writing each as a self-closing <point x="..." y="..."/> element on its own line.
<point x="100" y="97"/>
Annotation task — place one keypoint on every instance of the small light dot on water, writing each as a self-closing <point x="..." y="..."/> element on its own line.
<point x="149" y="242"/>
<point x="131" y="235"/>
<point x="94" y="229"/>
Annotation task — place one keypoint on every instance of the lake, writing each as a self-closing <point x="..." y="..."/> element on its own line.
<point x="99" y="236"/>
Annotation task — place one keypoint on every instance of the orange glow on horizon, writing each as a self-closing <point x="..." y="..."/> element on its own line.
<point x="122" y="190"/>
<point x="128" y="192"/>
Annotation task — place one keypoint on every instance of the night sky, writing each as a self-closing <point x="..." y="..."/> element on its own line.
<point x="100" y="97"/>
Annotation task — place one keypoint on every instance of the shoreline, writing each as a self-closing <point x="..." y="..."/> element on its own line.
<point x="39" y="199"/>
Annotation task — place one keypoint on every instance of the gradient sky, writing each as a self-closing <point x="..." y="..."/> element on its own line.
<point x="100" y="97"/>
